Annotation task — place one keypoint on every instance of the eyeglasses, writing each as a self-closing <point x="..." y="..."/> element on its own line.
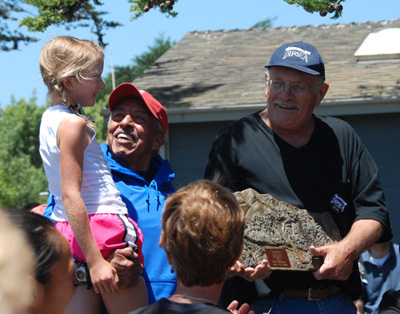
<point x="297" y="89"/>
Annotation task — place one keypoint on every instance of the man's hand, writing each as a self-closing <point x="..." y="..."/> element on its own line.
<point x="249" y="273"/>
<point x="339" y="257"/>
<point x="128" y="266"/>
<point x="242" y="310"/>
<point x="360" y="306"/>
<point x="338" y="263"/>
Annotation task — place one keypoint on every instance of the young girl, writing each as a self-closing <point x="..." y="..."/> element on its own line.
<point x="89" y="211"/>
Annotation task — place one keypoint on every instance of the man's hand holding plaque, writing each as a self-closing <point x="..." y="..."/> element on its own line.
<point x="283" y="233"/>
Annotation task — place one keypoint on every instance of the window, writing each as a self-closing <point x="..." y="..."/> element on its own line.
<point x="381" y="45"/>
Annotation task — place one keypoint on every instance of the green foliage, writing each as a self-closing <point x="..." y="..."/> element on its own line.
<point x="322" y="6"/>
<point x="77" y="13"/>
<point x="21" y="174"/>
<point x="142" y="6"/>
<point x="38" y="15"/>
<point x="264" y="23"/>
<point x="82" y="13"/>
<point x="10" y="39"/>
<point x="96" y="113"/>
<point x="146" y="59"/>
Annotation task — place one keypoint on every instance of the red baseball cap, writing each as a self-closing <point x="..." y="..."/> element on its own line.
<point x="128" y="90"/>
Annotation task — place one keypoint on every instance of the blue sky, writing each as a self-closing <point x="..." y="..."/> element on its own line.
<point x="20" y="70"/>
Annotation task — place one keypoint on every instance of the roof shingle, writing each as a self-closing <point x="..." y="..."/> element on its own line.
<point x="226" y="68"/>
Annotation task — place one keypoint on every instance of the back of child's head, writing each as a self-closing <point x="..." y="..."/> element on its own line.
<point x="202" y="233"/>
<point x="44" y="239"/>
<point x="67" y="57"/>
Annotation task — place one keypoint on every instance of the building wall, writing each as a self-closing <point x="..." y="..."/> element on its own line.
<point x="381" y="136"/>
<point x="191" y="142"/>
<point x="189" y="147"/>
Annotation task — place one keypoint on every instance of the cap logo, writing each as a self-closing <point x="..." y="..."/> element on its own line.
<point x="297" y="52"/>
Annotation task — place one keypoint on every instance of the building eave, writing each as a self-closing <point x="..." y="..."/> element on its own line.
<point x="340" y="107"/>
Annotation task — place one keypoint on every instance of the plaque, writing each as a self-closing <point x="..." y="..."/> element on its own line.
<point x="282" y="233"/>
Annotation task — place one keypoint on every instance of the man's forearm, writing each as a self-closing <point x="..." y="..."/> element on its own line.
<point x="362" y="235"/>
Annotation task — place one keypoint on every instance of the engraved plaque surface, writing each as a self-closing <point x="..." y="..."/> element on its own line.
<point x="282" y="233"/>
<point x="277" y="258"/>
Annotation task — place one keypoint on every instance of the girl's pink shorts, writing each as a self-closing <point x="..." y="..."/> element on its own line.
<point x="111" y="231"/>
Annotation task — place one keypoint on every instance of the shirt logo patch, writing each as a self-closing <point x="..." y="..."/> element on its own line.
<point x="338" y="204"/>
<point x="297" y="52"/>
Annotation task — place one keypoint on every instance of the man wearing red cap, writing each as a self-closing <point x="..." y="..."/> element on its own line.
<point x="136" y="131"/>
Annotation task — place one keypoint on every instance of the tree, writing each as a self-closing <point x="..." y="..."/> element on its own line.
<point x="322" y="6"/>
<point x="9" y="39"/>
<point x="265" y="23"/>
<point x="21" y="174"/>
<point x="82" y="13"/>
<point x="70" y="13"/>
<point x="75" y="13"/>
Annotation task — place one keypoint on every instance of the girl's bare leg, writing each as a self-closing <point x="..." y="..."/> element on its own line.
<point x="126" y="299"/>
<point x="85" y="301"/>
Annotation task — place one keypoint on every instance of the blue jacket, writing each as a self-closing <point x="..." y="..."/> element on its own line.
<point x="145" y="202"/>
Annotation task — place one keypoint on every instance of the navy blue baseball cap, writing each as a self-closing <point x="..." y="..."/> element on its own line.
<point x="300" y="56"/>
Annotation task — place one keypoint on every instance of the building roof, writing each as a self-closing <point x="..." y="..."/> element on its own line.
<point x="225" y="69"/>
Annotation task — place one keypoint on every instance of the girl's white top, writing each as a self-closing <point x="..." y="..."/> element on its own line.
<point x="99" y="192"/>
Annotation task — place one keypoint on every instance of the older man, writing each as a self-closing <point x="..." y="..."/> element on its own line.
<point x="316" y="163"/>
<point x="136" y="131"/>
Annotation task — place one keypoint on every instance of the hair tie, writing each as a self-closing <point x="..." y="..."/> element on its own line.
<point x="78" y="110"/>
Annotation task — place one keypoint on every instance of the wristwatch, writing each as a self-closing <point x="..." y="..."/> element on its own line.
<point x="82" y="273"/>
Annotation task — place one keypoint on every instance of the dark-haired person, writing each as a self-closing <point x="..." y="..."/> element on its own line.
<point x="54" y="270"/>
<point x="202" y="234"/>
<point x="312" y="162"/>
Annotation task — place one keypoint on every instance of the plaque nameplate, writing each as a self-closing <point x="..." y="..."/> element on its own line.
<point x="277" y="258"/>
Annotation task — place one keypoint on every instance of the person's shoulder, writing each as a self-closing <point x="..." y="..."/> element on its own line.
<point x="251" y="118"/>
<point x="149" y="309"/>
<point x="339" y="126"/>
<point x="215" y="309"/>
<point x="74" y="120"/>
<point x="236" y="125"/>
<point x="333" y="121"/>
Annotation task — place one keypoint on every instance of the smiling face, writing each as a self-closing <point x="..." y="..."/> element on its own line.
<point x="84" y="90"/>
<point x="287" y="112"/>
<point x="132" y="135"/>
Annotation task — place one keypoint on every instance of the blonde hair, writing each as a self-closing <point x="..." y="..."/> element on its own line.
<point x="67" y="57"/>
<point x="16" y="265"/>
<point x="202" y="233"/>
